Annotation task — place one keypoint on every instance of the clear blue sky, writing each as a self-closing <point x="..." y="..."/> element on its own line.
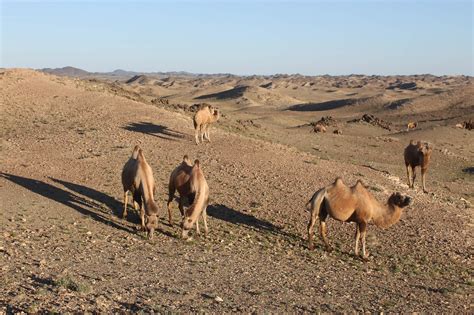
<point x="241" y="37"/>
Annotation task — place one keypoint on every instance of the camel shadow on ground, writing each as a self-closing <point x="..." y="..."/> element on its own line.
<point x="159" y="131"/>
<point x="97" y="205"/>
<point x="224" y="213"/>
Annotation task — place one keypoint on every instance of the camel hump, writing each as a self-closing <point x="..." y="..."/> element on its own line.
<point x="412" y="142"/>
<point x="141" y="156"/>
<point x="338" y="181"/>
<point x="135" y="151"/>
<point x="360" y="183"/>
<point x="196" y="163"/>
<point x="185" y="158"/>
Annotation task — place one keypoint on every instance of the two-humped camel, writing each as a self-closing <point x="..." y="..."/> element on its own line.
<point x="417" y="154"/>
<point x="192" y="187"/>
<point x="137" y="177"/>
<point x="204" y="117"/>
<point x="352" y="204"/>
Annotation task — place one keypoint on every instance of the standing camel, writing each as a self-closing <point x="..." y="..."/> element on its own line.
<point x="204" y="117"/>
<point x="352" y="204"/>
<point x="417" y="154"/>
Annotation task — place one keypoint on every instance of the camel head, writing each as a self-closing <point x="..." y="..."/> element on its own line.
<point x="216" y="114"/>
<point x="151" y="225"/>
<point x="399" y="200"/>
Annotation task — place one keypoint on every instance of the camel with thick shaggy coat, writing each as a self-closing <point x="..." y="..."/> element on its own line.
<point x="137" y="177"/>
<point x="417" y="154"/>
<point x="192" y="187"/>
<point x="352" y="204"/>
<point x="203" y="118"/>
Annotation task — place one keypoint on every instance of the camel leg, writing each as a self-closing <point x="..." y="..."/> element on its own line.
<point x="323" y="232"/>
<point x="171" y="192"/>
<point x="201" y="133"/>
<point x="423" y="174"/>
<point x="363" y="232"/>
<point x="408" y="176"/>
<point x="125" y="200"/>
<point x="357" y="238"/>
<point x="204" y="218"/>
<point x="413" y="171"/>
<point x="196" y="134"/>
<point x="312" y="222"/>
<point x="208" y="138"/>
<point x="181" y="206"/>
<point x="142" y="217"/>
<point x="198" y="232"/>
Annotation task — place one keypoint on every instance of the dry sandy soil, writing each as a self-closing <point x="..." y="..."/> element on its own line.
<point x="64" y="247"/>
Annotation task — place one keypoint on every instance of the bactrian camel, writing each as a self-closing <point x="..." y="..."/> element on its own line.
<point x="193" y="189"/>
<point x="352" y="204"/>
<point x="417" y="154"/>
<point x="204" y="117"/>
<point x="137" y="178"/>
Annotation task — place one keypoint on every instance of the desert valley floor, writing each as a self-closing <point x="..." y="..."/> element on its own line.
<point x="65" y="248"/>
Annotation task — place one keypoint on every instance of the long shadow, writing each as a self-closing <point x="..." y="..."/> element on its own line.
<point x="159" y="131"/>
<point x="110" y="202"/>
<point x="227" y="214"/>
<point x="92" y="209"/>
<point x="315" y="107"/>
<point x="236" y="92"/>
<point x="468" y="170"/>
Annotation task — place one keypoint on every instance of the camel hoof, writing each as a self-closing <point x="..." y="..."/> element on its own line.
<point x="329" y="249"/>
<point x="311" y="247"/>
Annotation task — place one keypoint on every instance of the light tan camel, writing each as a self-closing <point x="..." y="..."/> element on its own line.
<point x="203" y="118"/>
<point x="417" y="154"/>
<point x="352" y="204"/>
<point x="193" y="189"/>
<point x="137" y="177"/>
<point x="319" y="128"/>
<point x="412" y="125"/>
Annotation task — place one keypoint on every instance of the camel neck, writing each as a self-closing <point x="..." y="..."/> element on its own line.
<point x="386" y="215"/>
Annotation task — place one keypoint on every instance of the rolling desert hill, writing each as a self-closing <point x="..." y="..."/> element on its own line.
<point x="65" y="248"/>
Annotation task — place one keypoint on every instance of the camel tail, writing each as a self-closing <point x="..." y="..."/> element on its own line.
<point x="316" y="200"/>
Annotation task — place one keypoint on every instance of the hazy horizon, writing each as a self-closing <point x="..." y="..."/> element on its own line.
<point x="241" y="37"/>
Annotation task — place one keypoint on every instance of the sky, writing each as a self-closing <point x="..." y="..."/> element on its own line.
<point x="241" y="37"/>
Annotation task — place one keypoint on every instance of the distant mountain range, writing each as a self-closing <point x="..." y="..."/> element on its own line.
<point x="76" y="72"/>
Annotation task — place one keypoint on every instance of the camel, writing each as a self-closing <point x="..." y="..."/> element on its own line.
<point x="179" y="180"/>
<point x="193" y="189"/>
<point x="319" y="128"/>
<point x="417" y="154"/>
<point x="352" y="204"/>
<point x="412" y="125"/>
<point x="137" y="177"/>
<point x="203" y="118"/>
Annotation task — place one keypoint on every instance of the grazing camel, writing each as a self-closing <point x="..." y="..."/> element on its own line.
<point x="137" y="177"/>
<point x="193" y="189"/>
<point x="417" y="154"/>
<point x="412" y="125"/>
<point x="203" y="118"/>
<point x="352" y="204"/>
<point x="179" y="180"/>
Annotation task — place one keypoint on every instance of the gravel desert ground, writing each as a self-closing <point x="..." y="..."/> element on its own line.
<point x="65" y="248"/>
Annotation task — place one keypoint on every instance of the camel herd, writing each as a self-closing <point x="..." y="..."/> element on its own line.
<point x="337" y="200"/>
